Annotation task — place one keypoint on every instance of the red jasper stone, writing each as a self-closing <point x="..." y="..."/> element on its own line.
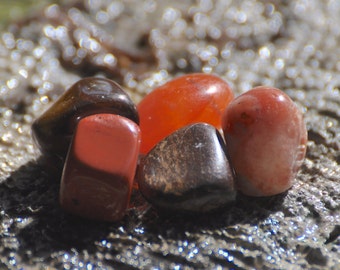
<point x="266" y="137"/>
<point x="100" y="167"/>
<point x="54" y="129"/>
<point x="185" y="100"/>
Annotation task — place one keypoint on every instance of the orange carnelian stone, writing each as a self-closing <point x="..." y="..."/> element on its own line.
<point x="100" y="167"/>
<point x="185" y="100"/>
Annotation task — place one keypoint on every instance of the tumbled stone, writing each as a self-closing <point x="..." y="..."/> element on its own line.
<point x="100" y="167"/>
<point x="266" y="138"/>
<point x="188" y="171"/>
<point x="185" y="100"/>
<point x="53" y="130"/>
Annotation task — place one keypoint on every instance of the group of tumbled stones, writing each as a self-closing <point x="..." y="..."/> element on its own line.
<point x="189" y="144"/>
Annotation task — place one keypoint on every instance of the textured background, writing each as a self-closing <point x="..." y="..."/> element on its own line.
<point x="293" y="45"/>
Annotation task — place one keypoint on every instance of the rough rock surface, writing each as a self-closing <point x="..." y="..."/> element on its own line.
<point x="292" y="45"/>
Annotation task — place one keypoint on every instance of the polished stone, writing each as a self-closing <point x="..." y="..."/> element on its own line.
<point x="54" y="129"/>
<point x="266" y="137"/>
<point x="182" y="101"/>
<point x="188" y="171"/>
<point x="100" y="167"/>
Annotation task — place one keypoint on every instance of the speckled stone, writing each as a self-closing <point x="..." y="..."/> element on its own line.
<point x="188" y="171"/>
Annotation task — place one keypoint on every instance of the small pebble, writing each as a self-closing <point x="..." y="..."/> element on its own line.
<point x="188" y="171"/>
<point x="266" y="137"/>
<point x="100" y="167"/>
<point x="54" y="129"/>
<point x="182" y="101"/>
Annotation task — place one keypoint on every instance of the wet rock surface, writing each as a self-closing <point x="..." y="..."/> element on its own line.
<point x="291" y="45"/>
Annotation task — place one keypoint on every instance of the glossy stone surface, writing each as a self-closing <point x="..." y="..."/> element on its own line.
<point x="188" y="171"/>
<point x="53" y="130"/>
<point x="100" y="167"/>
<point x="185" y="100"/>
<point x="266" y="138"/>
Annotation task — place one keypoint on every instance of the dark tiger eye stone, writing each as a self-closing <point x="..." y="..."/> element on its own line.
<point x="188" y="171"/>
<point x="53" y="130"/>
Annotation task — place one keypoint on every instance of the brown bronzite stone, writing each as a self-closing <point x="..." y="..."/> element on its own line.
<point x="53" y="130"/>
<point x="188" y="171"/>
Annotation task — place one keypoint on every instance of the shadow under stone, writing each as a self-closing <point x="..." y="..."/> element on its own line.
<point x="30" y="196"/>
<point x="29" y="200"/>
<point x="244" y="210"/>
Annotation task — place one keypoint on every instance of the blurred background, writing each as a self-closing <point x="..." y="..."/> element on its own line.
<point x="14" y="9"/>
